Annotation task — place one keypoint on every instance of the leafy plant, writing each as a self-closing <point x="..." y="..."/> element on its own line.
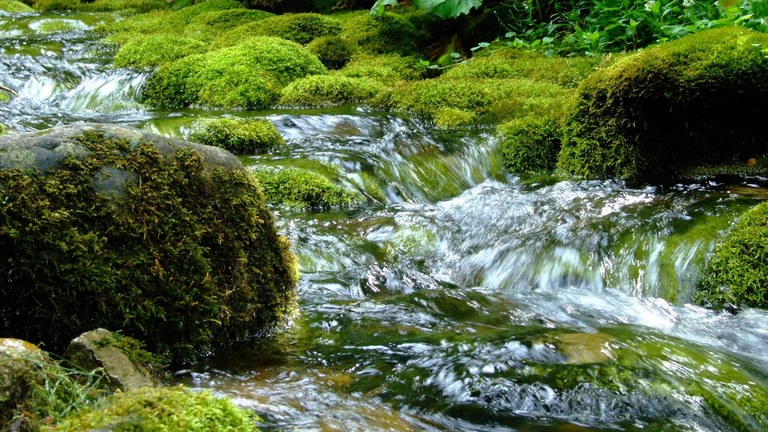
<point x="441" y="8"/>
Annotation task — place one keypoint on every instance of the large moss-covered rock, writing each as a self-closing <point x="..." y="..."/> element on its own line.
<point x="529" y="145"/>
<point x="13" y="6"/>
<point x="697" y="100"/>
<point x="301" y="28"/>
<point x="162" y="409"/>
<point x="156" y="49"/>
<point x="107" y="226"/>
<point x="383" y="34"/>
<point x="323" y="90"/>
<point x="738" y="271"/>
<point x="248" y="75"/>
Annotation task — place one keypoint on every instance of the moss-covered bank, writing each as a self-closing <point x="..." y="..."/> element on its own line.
<point x="697" y="100"/>
<point x="104" y="226"/>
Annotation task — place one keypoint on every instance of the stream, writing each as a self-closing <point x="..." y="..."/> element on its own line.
<point x="456" y="297"/>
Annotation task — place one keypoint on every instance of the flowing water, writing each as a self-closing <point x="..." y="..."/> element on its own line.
<point x="454" y="297"/>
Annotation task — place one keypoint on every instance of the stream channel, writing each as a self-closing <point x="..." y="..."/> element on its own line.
<point x="457" y="297"/>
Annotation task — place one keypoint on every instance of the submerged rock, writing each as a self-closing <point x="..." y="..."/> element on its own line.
<point x="97" y="349"/>
<point x="167" y="241"/>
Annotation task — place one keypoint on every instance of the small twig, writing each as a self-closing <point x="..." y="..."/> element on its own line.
<point x="9" y="90"/>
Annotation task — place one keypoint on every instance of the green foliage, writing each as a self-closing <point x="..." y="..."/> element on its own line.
<point x="323" y="90"/>
<point x="124" y="6"/>
<point x="383" y="34"/>
<point x="158" y="21"/>
<point x="688" y="102"/>
<point x="188" y="260"/>
<point x="386" y="68"/>
<point x="48" y="26"/>
<point x="49" y="5"/>
<point x="490" y="100"/>
<point x="441" y="8"/>
<point x="239" y="136"/>
<point x="185" y="15"/>
<point x="529" y="145"/>
<point x="228" y="18"/>
<point x="333" y="51"/>
<point x="154" y="50"/>
<point x="738" y="271"/>
<point x="43" y="390"/>
<point x="247" y="75"/>
<point x="162" y="409"/>
<point x="3" y="129"/>
<point x="302" y="188"/>
<point x="515" y="63"/>
<point x="13" y="6"/>
<point x="301" y="28"/>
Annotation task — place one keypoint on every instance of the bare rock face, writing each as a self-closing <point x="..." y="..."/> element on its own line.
<point x="96" y="349"/>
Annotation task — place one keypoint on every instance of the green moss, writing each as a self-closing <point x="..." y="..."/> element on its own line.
<point x="489" y="100"/>
<point x="301" y="28"/>
<point x="48" y="26"/>
<point x="3" y="129"/>
<point x="333" y="51"/>
<point x="186" y="14"/>
<point x="186" y="259"/>
<point x="162" y="409"/>
<point x="240" y="136"/>
<point x="124" y="6"/>
<point x="737" y="274"/>
<point x="48" y="5"/>
<point x="154" y="50"/>
<point x="680" y="104"/>
<point x="387" y="68"/>
<point x="322" y="90"/>
<point x="383" y="34"/>
<point x="229" y="18"/>
<point x="529" y="145"/>
<point x="13" y="6"/>
<point x="302" y="188"/>
<point x="159" y="21"/>
<point x="242" y="76"/>
<point x="4" y="96"/>
<point x="512" y="63"/>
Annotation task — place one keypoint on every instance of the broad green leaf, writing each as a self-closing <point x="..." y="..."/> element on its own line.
<point x="378" y="7"/>
<point x="448" y="8"/>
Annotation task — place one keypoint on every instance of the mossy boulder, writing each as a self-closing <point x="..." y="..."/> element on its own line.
<point x="323" y="90"/>
<point x="530" y="145"/>
<point x="333" y="51"/>
<point x="49" y="5"/>
<point x="13" y="6"/>
<point x="301" y="28"/>
<point x="154" y="50"/>
<point x="694" y="101"/>
<point x="386" y="68"/>
<point x="124" y="6"/>
<point x="302" y="188"/>
<point x="383" y="34"/>
<point x="162" y="409"/>
<point x="229" y="18"/>
<point x="737" y="273"/>
<point x="58" y="25"/>
<point x="477" y="101"/>
<point x="240" y="136"/>
<point x="169" y="242"/>
<point x="19" y="375"/>
<point x="248" y="75"/>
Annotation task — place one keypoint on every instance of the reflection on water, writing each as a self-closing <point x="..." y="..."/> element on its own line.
<point x="455" y="297"/>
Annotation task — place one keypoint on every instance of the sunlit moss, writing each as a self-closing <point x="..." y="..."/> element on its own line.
<point x="684" y="103"/>
<point x="188" y="13"/>
<point x="135" y="6"/>
<point x="387" y="68"/>
<point x="302" y="188"/>
<point x="529" y="145"/>
<point x="46" y="26"/>
<point x="322" y="90"/>
<point x="47" y="5"/>
<point x="209" y="26"/>
<point x="154" y="50"/>
<point x="158" y="21"/>
<point x="240" y="136"/>
<point x="737" y="273"/>
<point x="333" y="51"/>
<point x="301" y="28"/>
<point x="162" y="409"/>
<point x="247" y="75"/>
<point x="383" y="34"/>
<point x="13" y="6"/>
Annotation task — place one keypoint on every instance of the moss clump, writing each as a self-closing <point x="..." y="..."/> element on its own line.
<point x="302" y="188"/>
<point x="162" y="409"/>
<point x="529" y="145"/>
<point x="48" y="5"/>
<point x="323" y="90"/>
<point x="689" y="102"/>
<point x="186" y="14"/>
<point x="158" y="21"/>
<point x="13" y="6"/>
<point x="738" y="271"/>
<point x="301" y="28"/>
<point x="333" y="51"/>
<point x="178" y="254"/>
<point x="124" y="6"/>
<point x="248" y="75"/>
<point x="229" y="18"/>
<point x="3" y="129"/>
<point x="489" y="100"/>
<point x="240" y="136"/>
<point x="513" y="63"/>
<point x="155" y="50"/>
<point x="387" y="68"/>
<point x="383" y="34"/>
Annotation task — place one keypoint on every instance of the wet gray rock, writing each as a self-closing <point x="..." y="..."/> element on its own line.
<point x="20" y="372"/>
<point x="96" y="349"/>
